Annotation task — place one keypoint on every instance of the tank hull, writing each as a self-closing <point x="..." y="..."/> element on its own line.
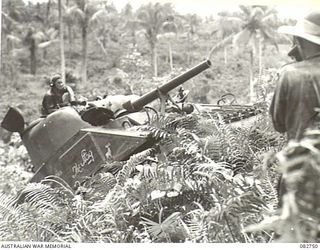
<point x="89" y="151"/>
<point x="45" y="136"/>
<point x="64" y="145"/>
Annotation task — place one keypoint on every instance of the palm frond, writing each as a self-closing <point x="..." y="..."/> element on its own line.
<point x="47" y="43"/>
<point x="39" y="36"/>
<point x="78" y="13"/>
<point x="162" y="230"/>
<point x="99" y="17"/>
<point x="13" y="39"/>
<point x="242" y="37"/>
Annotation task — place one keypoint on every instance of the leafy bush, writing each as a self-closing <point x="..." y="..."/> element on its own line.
<point x="297" y="220"/>
<point x="203" y="182"/>
<point x="14" y="166"/>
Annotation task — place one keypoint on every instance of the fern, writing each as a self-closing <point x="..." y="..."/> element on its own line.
<point x="99" y="185"/>
<point x="16" y="221"/>
<point x="129" y="167"/>
<point x="300" y="164"/>
<point x="205" y="181"/>
<point x="41" y="196"/>
<point x="195" y="223"/>
<point x="269" y="179"/>
<point x="156" y="132"/>
<point x="7" y="206"/>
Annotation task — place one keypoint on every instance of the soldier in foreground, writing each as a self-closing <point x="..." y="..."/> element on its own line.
<point x="297" y="93"/>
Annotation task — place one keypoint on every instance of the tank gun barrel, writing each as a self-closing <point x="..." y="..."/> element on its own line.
<point x="134" y="106"/>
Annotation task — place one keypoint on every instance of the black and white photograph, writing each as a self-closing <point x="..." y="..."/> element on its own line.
<point x="164" y="121"/>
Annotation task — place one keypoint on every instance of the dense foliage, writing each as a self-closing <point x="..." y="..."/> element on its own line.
<point x="119" y="47"/>
<point x="205" y="180"/>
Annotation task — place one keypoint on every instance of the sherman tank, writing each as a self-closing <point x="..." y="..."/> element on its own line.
<point x="74" y="145"/>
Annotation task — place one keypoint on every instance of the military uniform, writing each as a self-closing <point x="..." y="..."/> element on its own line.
<point x="55" y="99"/>
<point x="295" y="98"/>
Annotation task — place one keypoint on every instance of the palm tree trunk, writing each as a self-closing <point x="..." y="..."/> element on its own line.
<point x="225" y="55"/>
<point x="134" y="39"/>
<point x="189" y="50"/>
<point x="33" y="58"/>
<point x="48" y="12"/>
<point x="69" y="40"/>
<point x="170" y="57"/>
<point x="260" y="57"/>
<point x="155" y="63"/>
<point x="251" y="88"/>
<point x="154" y="59"/>
<point x="63" y="65"/>
<point x="69" y="34"/>
<point x="84" y="56"/>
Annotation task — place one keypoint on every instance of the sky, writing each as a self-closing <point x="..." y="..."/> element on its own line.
<point x="295" y="8"/>
<point x="286" y="8"/>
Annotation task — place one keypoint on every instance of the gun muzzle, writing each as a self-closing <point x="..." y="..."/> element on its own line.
<point x="165" y="88"/>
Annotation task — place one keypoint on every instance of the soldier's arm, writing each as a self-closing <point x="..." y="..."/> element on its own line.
<point x="68" y="97"/>
<point x="72" y="97"/>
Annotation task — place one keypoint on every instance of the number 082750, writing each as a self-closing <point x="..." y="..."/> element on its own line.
<point x="308" y="245"/>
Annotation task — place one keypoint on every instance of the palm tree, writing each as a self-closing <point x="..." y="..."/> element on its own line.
<point x="45" y="18"/>
<point x="9" y="26"/>
<point x="104" y="25"/>
<point x="227" y="25"/>
<point x="15" y="9"/>
<point x="31" y="37"/>
<point x="11" y="29"/>
<point x="37" y="39"/>
<point x="49" y="37"/>
<point x="169" y="32"/>
<point x="40" y="32"/>
<point x="11" y="16"/>
<point x="152" y="17"/>
<point x="84" y="12"/>
<point x="191" y="24"/>
<point x="69" y="19"/>
<point x="131" y="25"/>
<point x="31" y="41"/>
<point x="257" y="28"/>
